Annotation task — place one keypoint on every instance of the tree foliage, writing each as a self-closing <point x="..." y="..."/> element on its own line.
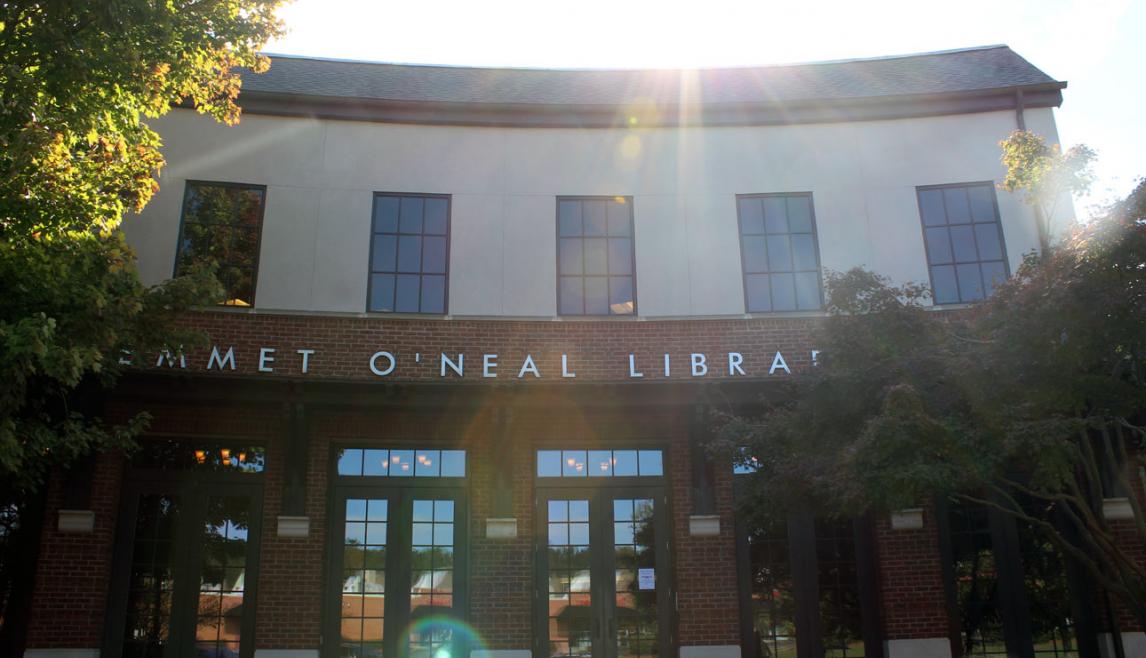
<point x="77" y="81"/>
<point x="1045" y="174"/>
<point x="1019" y="403"/>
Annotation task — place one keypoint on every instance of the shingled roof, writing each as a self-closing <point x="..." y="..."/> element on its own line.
<point x="377" y="90"/>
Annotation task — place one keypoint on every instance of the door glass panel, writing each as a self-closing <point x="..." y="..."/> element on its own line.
<point x="570" y="626"/>
<point x="152" y="581"/>
<point x="219" y="617"/>
<point x="773" y="594"/>
<point x="363" y="605"/>
<point x="431" y="577"/>
<point x="634" y="553"/>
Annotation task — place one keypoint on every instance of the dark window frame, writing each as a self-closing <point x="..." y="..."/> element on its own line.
<point x="632" y="255"/>
<point x="188" y="184"/>
<point x="421" y="273"/>
<point x="919" y="189"/>
<point x="815" y="246"/>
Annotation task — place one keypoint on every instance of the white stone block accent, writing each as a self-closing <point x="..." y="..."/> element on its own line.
<point x="76" y="520"/>
<point x="286" y="653"/>
<point x="294" y="526"/>
<point x="61" y="653"/>
<point x="1133" y="643"/>
<point x="1117" y="509"/>
<point x="704" y="525"/>
<point x="501" y="653"/>
<point x="711" y="651"/>
<point x="932" y="647"/>
<point x="500" y="528"/>
<point x="907" y="519"/>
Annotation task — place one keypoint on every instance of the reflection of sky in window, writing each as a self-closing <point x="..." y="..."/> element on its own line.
<point x="401" y="463"/>
<point x="600" y="463"/>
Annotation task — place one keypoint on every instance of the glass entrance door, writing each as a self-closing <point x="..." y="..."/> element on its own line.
<point x="603" y="572"/>
<point x="185" y="579"/>
<point x="396" y="555"/>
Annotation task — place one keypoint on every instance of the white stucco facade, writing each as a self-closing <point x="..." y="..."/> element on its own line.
<point x="321" y="175"/>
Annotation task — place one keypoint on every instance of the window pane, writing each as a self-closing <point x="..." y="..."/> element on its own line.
<point x="386" y="214"/>
<point x="755" y="256"/>
<point x="593" y="213"/>
<point x="385" y="257"/>
<point x="758" y="290"/>
<point x="410" y="253"/>
<point x="994" y="273"/>
<point x="931" y="207"/>
<point x="621" y="295"/>
<point x="987" y="237"/>
<point x="568" y="217"/>
<point x="618" y="212"/>
<point x="408" y="295"/>
<point x="221" y="226"/>
<point x="804" y="253"/>
<point x="783" y="292"/>
<point x="433" y="294"/>
<point x="938" y="245"/>
<point x="963" y="244"/>
<point x="382" y="292"/>
<point x="982" y="203"/>
<point x="779" y="253"/>
<point x="411" y="219"/>
<point x="573" y="463"/>
<point x="570" y="255"/>
<point x="437" y="211"/>
<point x="375" y="462"/>
<point x="649" y="462"/>
<point x="600" y="463"/>
<point x="401" y="463"/>
<point x="775" y="214"/>
<point x="955" y="200"/>
<point x="970" y="282"/>
<point x="596" y="256"/>
<point x="572" y="296"/>
<point x="350" y="462"/>
<point x="800" y="214"/>
<point x="428" y="463"/>
<point x="751" y="216"/>
<point x="596" y="295"/>
<point x="549" y="464"/>
<point x="808" y="291"/>
<point x="624" y="463"/>
<point x="453" y="463"/>
<point x="620" y="256"/>
<point x="944" y="288"/>
<point x="434" y="255"/>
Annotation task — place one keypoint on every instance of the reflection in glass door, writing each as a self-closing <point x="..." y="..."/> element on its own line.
<point x="397" y="555"/>
<point x="603" y="573"/>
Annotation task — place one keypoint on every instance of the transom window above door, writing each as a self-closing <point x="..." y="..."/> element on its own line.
<point x="599" y="463"/>
<point x="412" y="462"/>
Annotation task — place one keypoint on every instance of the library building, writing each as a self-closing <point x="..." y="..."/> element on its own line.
<point x="479" y="326"/>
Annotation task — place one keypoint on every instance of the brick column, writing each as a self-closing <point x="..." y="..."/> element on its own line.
<point x="915" y="618"/>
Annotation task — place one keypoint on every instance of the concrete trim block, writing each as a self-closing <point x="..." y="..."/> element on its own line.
<point x="501" y="653"/>
<point x="931" y="647"/>
<point x="294" y="527"/>
<point x="704" y="525"/>
<point x="711" y="651"/>
<point x="907" y="519"/>
<point x="61" y="653"/>
<point x="286" y="653"/>
<point x="1117" y="509"/>
<point x="76" y="520"/>
<point x="501" y="528"/>
<point x="1134" y="644"/>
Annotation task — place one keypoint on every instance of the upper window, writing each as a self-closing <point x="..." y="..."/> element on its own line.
<point x="964" y="241"/>
<point x="221" y="226"/>
<point x="409" y="253"/>
<point x="595" y="256"/>
<point x="599" y="463"/>
<point x="778" y="252"/>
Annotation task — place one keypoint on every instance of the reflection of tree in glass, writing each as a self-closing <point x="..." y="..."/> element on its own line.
<point x="221" y="228"/>
<point x="773" y="601"/>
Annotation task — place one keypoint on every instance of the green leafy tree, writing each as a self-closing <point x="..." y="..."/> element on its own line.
<point x="1023" y="403"/>
<point x="77" y="81"/>
<point x="1046" y="175"/>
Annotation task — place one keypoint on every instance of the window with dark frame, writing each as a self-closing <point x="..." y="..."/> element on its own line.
<point x="779" y="255"/>
<point x="966" y="257"/>
<point x="409" y="254"/>
<point x="221" y="225"/>
<point x="595" y="271"/>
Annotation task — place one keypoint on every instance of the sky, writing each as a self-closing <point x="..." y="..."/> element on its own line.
<point x="1097" y="46"/>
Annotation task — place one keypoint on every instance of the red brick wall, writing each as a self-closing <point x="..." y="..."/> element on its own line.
<point x="74" y="569"/>
<point x="912" y="598"/>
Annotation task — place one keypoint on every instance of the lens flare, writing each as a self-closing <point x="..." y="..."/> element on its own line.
<point x="445" y="637"/>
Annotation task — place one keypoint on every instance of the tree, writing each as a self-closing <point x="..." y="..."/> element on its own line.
<point x="1032" y="403"/>
<point x="77" y="81"/>
<point x="1046" y="175"/>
